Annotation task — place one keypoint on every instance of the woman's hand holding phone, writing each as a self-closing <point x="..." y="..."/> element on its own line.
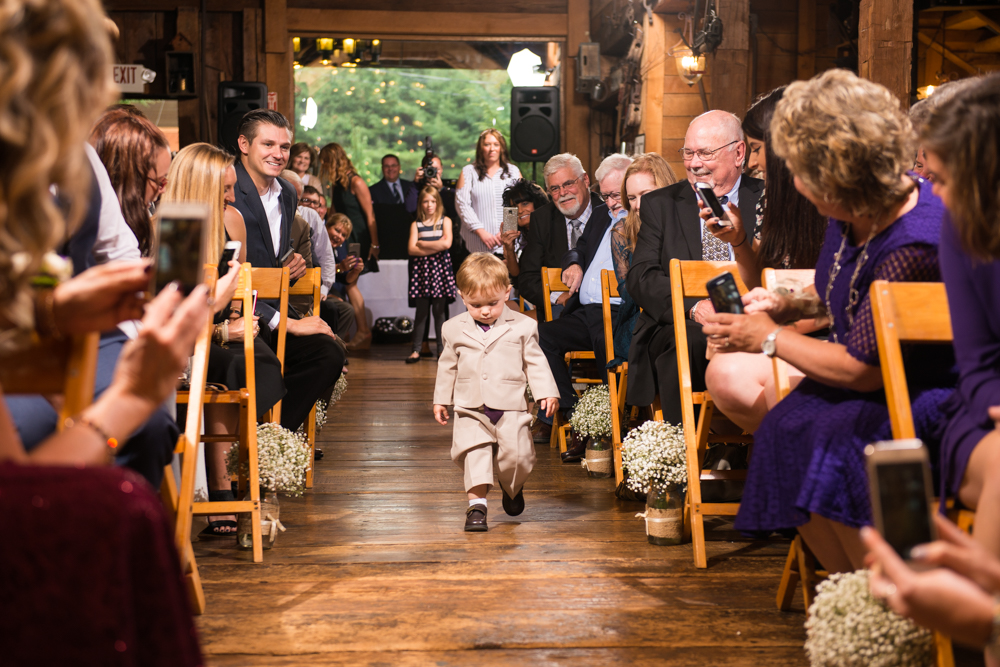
<point x="731" y="233"/>
<point x="101" y="297"/>
<point x="225" y="288"/>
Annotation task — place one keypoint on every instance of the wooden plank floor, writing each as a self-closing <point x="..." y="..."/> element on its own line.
<point x="376" y="570"/>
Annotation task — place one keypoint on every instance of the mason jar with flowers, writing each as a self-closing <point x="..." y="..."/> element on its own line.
<point x="592" y="419"/>
<point x="654" y="456"/>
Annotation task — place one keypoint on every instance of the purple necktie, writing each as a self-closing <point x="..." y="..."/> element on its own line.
<point x="491" y="414"/>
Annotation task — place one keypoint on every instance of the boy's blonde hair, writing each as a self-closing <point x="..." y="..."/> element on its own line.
<point x="340" y="220"/>
<point x="482" y="272"/>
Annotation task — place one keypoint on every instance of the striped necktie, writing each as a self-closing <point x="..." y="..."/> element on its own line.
<point x="712" y="249"/>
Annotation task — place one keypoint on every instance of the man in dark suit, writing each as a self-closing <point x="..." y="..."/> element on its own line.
<point x="671" y="228"/>
<point x="391" y="189"/>
<point x="313" y="359"/>
<point x="555" y="225"/>
<point x="581" y="324"/>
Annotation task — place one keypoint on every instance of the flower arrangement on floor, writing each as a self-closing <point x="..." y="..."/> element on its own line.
<point x="339" y="389"/>
<point x="847" y="627"/>
<point x="654" y="454"/>
<point x="282" y="460"/>
<point x="592" y="414"/>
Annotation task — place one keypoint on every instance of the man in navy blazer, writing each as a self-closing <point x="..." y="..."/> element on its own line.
<point x="391" y="189"/>
<point x="581" y="324"/>
<point x="313" y="358"/>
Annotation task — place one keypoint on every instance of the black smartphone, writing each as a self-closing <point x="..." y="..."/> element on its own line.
<point x="285" y="257"/>
<point x="725" y="295"/>
<point x="179" y="246"/>
<point x="899" y="474"/>
<point x="354" y="250"/>
<point x="229" y="253"/>
<point x="707" y="195"/>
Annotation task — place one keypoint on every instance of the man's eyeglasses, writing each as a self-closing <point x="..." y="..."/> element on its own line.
<point x="703" y="154"/>
<point x="555" y="190"/>
<point x="609" y="196"/>
<point x="160" y="184"/>
<point x="311" y="203"/>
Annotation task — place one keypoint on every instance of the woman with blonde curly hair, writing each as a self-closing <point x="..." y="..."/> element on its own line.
<point x="349" y="195"/>
<point x="849" y="146"/>
<point x="55" y="74"/>
<point x="647" y="172"/>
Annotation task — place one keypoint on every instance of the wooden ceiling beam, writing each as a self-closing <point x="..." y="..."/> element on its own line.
<point x="971" y="20"/>
<point x="991" y="45"/>
<point x="947" y="53"/>
<point x="412" y="25"/>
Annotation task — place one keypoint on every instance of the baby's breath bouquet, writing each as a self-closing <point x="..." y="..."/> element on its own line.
<point x="321" y="408"/>
<point x="592" y="414"/>
<point x="339" y="389"/>
<point x="282" y="460"/>
<point x="654" y="454"/>
<point x="847" y="627"/>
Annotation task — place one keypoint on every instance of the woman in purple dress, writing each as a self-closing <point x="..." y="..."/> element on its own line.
<point x="961" y="148"/>
<point x="848" y="144"/>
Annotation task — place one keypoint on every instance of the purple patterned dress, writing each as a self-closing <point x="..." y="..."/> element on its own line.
<point x="808" y="453"/>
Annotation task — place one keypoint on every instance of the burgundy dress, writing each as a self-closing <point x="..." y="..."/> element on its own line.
<point x="89" y="574"/>
<point x="974" y="301"/>
<point x="808" y="453"/>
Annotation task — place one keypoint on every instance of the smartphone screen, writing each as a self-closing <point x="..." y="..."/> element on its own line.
<point x="179" y="246"/>
<point x="707" y="195"/>
<point x="354" y="249"/>
<point x="228" y="255"/>
<point x="725" y="295"/>
<point x="903" y="498"/>
<point x="509" y="219"/>
<point x="253" y="307"/>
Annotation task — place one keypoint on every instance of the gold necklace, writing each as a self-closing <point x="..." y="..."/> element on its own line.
<point x="853" y="295"/>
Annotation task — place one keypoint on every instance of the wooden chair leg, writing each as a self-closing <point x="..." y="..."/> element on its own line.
<point x="554" y="437"/>
<point x="789" y="577"/>
<point x="616" y="427"/>
<point x="807" y="571"/>
<point x="657" y="409"/>
<point x="196" y="593"/>
<point x="945" y="656"/>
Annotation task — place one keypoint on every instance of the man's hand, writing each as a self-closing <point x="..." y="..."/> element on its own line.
<point x="441" y="414"/>
<point x="296" y="267"/>
<point x="572" y="277"/>
<point x="309" y="326"/>
<point x="101" y="297"/>
<point x="489" y="240"/>
<point x="563" y="298"/>
<point x="702" y="310"/>
<point x="550" y="405"/>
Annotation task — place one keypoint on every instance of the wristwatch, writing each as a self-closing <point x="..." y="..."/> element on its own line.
<point x="770" y="346"/>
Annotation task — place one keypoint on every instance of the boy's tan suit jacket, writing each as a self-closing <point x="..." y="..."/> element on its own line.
<point x="492" y="370"/>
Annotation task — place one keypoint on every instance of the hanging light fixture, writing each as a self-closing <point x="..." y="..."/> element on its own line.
<point x="348" y="46"/>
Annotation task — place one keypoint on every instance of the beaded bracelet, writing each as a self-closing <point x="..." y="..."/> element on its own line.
<point x="70" y="423"/>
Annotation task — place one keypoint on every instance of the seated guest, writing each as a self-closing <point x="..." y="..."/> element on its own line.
<point x="789" y="234"/>
<point x="647" y="173"/>
<point x="321" y="251"/>
<point x="302" y="161"/>
<point x="314" y="199"/>
<point x="849" y="147"/>
<point x="556" y="227"/>
<point x="349" y="267"/>
<point x="581" y="324"/>
<point x="87" y="549"/>
<point x="392" y="189"/>
<point x="527" y="197"/>
<point x="713" y="153"/>
<point x="205" y="174"/>
<point x="960" y="143"/>
<point x="313" y="359"/>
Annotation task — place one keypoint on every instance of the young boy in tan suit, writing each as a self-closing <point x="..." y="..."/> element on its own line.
<point x="490" y="355"/>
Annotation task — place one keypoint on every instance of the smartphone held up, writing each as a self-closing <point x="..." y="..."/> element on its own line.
<point x="179" y="246"/>
<point x="725" y="294"/>
<point x="707" y="196"/>
<point x="899" y="475"/>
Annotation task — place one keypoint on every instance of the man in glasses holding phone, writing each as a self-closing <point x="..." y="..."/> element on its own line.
<point x="713" y="153"/>
<point x="313" y="358"/>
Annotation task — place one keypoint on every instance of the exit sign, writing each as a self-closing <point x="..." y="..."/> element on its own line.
<point x="132" y="78"/>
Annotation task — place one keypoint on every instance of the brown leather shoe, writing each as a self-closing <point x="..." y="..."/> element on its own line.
<point x="541" y="432"/>
<point x="576" y="449"/>
<point x="475" y="519"/>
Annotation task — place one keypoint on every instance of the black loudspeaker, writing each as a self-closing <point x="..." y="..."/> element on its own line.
<point x="235" y="99"/>
<point x="534" y="124"/>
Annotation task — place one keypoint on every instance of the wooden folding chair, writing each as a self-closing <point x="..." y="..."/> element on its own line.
<point x="800" y="566"/>
<point x="308" y="284"/>
<point x="246" y="400"/>
<point x="617" y="376"/>
<point x="552" y="282"/>
<point x="51" y="367"/>
<point x="911" y="313"/>
<point x="687" y="279"/>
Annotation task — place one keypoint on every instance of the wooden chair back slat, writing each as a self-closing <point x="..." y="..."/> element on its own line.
<point x="273" y="284"/>
<point x="609" y="290"/>
<point x="308" y="284"/>
<point x="551" y="282"/>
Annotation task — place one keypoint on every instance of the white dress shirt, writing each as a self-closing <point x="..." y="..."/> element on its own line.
<point x="590" y="288"/>
<point x="323" y="256"/>
<point x="271" y="200"/>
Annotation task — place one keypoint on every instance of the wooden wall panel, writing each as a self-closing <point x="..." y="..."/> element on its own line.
<point x="576" y="106"/>
<point x="681" y="102"/>
<point x="428" y="6"/>
<point x="885" y="44"/>
<point x="731" y="63"/>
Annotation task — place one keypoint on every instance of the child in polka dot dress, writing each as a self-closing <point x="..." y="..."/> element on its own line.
<point x="432" y="282"/>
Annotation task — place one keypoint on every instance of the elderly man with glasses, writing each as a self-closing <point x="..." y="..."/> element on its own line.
<point x="713" y="153"/>
<point x="556" y="229"/>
